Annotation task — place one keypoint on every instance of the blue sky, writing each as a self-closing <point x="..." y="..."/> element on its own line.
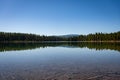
<point x="58" y="17"/>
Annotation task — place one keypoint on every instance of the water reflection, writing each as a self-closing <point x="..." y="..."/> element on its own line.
<point x="60" y="61"/>
<point x="26" y="46"/>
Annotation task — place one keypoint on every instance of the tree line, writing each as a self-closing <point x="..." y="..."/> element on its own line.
<point x="98" y="37"/>
<point x="5" y="36"/>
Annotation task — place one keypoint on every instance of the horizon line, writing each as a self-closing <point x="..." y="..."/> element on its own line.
<point x="60" y="34"/>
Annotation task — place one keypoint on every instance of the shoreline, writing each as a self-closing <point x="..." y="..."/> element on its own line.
<point x="59" y="41"/>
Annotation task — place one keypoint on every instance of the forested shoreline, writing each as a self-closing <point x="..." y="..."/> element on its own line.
<point x="24" y="37"/>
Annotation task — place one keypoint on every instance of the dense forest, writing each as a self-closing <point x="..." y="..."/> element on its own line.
<point x="4" y="36"/>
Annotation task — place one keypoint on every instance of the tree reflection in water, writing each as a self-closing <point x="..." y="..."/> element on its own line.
<point x="90" y="45"/>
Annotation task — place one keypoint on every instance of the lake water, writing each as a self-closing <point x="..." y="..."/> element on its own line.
<point x="60" y="61"/>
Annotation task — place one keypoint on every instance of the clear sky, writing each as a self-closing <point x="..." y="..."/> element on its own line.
<point x="58" y="17"/>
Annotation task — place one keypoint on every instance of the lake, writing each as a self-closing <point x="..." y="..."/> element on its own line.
<point x="60" y="61"/>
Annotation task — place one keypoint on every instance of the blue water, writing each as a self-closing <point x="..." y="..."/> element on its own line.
<point x="56" y="62"/>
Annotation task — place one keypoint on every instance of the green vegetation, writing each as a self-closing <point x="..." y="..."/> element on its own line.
<point x="26" y="37"/>
<point x="4" y="37"/>
<point x="100" y="37"/>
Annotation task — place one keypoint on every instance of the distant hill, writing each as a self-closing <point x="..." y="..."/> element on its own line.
<point x="69" y="35"/>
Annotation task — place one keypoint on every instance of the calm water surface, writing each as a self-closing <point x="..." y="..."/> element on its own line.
<point x="60" y="61"/>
